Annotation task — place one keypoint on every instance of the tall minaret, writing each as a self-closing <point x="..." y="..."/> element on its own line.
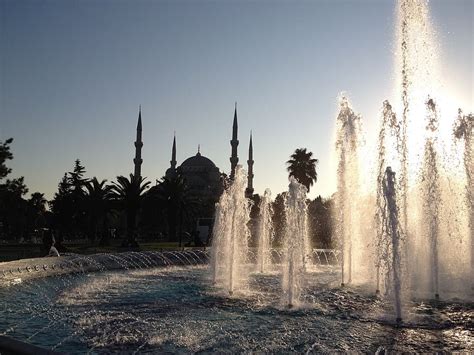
<point x="173" y="154"/>
<point x="249" y="189"/>
<point x="171" y="171"/>
<point x="138" y="146"/>
<point x="234" y="159"/>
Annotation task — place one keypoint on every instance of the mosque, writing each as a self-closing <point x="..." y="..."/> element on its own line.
<point x="202" y="176"/>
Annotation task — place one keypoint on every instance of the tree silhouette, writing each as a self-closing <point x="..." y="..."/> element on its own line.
<point x="279" y="217"/>
<point x="13" y="208"/>
<point x="97" y="203"/>
<point x="5" y="155"/>
<point x="173" y="195"/>
<point x="129" y="193"/>
<point x="303" y="167"/>
<point x="320" y="222"/>
<point x="62" y="207"/>
<point x="37" y="210"/>
<point x="68" y="205"/>
<point x="76" y="178"/>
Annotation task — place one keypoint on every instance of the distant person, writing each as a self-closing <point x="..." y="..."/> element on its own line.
<point x="53" y="251"/>
<point x="48" y="243"/>
<point x="58" y="242"/>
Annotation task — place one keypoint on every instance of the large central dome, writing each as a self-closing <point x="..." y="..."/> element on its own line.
<point x="198" y="161"/>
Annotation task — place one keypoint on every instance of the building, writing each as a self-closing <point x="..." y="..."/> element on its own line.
<point x="202" y="176"/>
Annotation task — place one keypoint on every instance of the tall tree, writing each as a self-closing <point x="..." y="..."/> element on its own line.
<point x="62" y="207"/>
<point x="76" y="178"/>
<point x="279" y="217"/>
<point x="97" y="201"/>
<point x="5" y="155"/>
<point x="129" y="193"/>
<point x="303" y="167"/>
<point x="13" y="208"/>
<point x="68" y="203"/>
<point x="320" y="222"/>
<point x="173" y="193"/>
<point x="77" y="183"/>
<point x="36" y="210"/>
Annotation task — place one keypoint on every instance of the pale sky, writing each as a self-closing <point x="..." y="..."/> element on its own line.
<point x="73" y="73"/>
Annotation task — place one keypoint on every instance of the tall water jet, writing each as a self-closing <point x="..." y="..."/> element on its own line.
<point x="230" y="236"/>
<point x="393" y="238"/>
<point x="388" y="144"/>
<point x="347" y="213"/>
<point x="431" y="194"/>
<point x="418" y="77"/>
<point x="295" y="243"/>
<point x="432" y="214"/>
<point x="464" y="129"/>
<point x="264" y="232"/>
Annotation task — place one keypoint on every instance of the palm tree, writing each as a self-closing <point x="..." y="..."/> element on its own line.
<point x="173" y="193"/>
<point x="129" y="194"/>
<point x="303" y="167"/>
<point x="97" y="201"/>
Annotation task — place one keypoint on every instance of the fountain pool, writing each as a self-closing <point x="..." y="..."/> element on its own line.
<point x="178" y="309"/>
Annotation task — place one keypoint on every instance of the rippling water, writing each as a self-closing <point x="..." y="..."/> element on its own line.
<point x="178" y="310"/>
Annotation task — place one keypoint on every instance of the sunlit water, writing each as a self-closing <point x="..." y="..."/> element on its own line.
<point x="178" y="309"/>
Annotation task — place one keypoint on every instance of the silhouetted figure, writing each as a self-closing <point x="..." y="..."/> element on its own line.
<point x="53" y="251"/>
<point x="58" y="243"/>
<point x="48" y="244"/>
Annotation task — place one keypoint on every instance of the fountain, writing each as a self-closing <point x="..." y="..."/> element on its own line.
<point x="229" y="257"/>
<point x="392" y="238"/>
<point x="389" y="137"/>
<point x="431" y="194"/>
<point x="265" y="231"/>
<point x="295" y="244"/>
<point x="432" y="214"/>
<point x="464" y="129"/>
<point x="166" y="302"/>
<point x="348" y="140"/>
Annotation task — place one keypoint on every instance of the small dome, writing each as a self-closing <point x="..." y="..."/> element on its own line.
<point x="198" y="161"/>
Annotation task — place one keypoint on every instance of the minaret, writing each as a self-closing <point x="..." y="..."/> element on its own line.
<point x="138" y="146"/>
<point x="171" y="172"/>
<point x="173" y="154"/>
<point x="249" y="189"/>
<point x="234" y="159"/>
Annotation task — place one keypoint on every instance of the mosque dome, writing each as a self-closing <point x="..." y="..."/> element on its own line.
<point x="198" y="161"/>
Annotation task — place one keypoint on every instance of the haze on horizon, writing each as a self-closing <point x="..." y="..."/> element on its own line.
<point x="72" y="75"/>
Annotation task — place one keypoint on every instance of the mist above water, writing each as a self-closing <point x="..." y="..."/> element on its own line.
<point x="433" y="198"/>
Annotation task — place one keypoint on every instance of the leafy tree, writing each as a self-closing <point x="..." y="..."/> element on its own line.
<point x="13" y="208"/>
<point x="76" y="178"/>
<point x="62" y="207"/>
<point x="303" y="167"/>
<point x="36" y="211"/>
<point x="279" y="217"/>
<point x="180" y="207"/>
<point x="129" y="193"/>
<point x="38" y="202"/>
<point x="97" y="203"/>
<point x="5" y="155"/>
<point x="68" y="205"/>
<point x="78" y="183"/>
<point x="320" y="222"/>
<point x="152" y="216"/>
<point x="254" y="201"/>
